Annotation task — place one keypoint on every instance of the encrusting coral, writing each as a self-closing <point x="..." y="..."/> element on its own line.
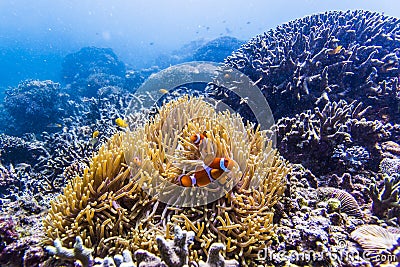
<point x="112" y="210"/>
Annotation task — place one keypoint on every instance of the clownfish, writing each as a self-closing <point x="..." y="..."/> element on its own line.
<point x="224" y="164"/>
<point x="197" y="138"/>
<point x="200" y="178"/>
<point x="137" y="161"/>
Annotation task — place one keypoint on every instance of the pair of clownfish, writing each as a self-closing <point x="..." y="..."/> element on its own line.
<point x="209" y="171"/>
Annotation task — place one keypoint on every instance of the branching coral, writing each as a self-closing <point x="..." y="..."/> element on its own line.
<point x="310" y="138"/>
<point x="112" y="210"/>
<point x="386" y="199"/>
<point x="330" y="56"/>
<point x="173" y="253"/>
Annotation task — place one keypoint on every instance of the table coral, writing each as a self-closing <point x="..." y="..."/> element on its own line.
<point x="350" y="55"/>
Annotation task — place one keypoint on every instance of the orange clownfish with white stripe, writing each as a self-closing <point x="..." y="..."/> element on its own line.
<point x="208" y="173"/>
<point x="223" y="164"/>
<point x="198" y="138"/>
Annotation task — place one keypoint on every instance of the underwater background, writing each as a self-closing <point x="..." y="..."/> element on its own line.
<point x="199" y="133"/>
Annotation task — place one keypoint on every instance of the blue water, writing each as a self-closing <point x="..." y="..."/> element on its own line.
<point x="36" y="35"/>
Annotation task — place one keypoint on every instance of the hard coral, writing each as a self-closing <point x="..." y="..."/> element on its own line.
<point x="385" y="199"/>
<point x="92" y="68"/>
<point x="173" y="253"/>
<point x="310" y="138"/>
<point x="330" y="56"/>
<point x="217" y="50"/>
<point x="33" y="105"/>
<point x="337" y="138"/>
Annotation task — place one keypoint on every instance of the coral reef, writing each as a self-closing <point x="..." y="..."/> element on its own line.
<point x="135" y="78"/>
<point x="47" y="158"/>
<point x="112" y="211"/>
<point x="91" y="68"/>
<point x="335" y="139"/>
<point x="352" y="158"/>
<point x="16" y="150"/>
<point x="172" y="254"/>
<point x="217" y="50"/>
<point x="16" y="250"/>
<point x="33" y="105"/>
<point x="331" y="79"/>
<point x="330" y="56"/>
<point x="310" y="138"/>
<point x="312" y="225"/>
<point x="390" y="166"/>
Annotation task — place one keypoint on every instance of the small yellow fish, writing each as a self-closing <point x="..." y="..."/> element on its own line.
<point x="335" y="50"/>
<point x="95" y="134"/>
<point x="54" y="125"/>
<point x="121" y="123"/>
<point x="163" y="91"/>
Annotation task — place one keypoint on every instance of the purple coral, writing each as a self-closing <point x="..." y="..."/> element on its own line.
<point x="330" y="56"/>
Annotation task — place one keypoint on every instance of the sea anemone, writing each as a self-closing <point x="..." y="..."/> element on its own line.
<point x="112" y="210"/>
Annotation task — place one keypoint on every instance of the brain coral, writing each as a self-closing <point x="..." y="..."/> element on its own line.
<point x="112" y="210"/>
<point x="351" y="55"/>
